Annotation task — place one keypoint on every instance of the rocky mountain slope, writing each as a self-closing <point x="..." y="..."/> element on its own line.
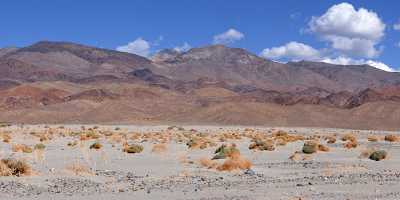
<point x="60" y="82"/>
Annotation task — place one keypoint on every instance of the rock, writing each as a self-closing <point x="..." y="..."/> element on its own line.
<point x="249" y="172"/>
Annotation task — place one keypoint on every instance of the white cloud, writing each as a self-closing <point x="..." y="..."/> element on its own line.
<point x="349" y="61"/>
<point x="292" y="50"/>
<point x="183" y="48"/>
<point x="350" y="31"/>
<point x="140" y="47"/>
<point x="397" y="26"/>
<point x="228" y="37"/>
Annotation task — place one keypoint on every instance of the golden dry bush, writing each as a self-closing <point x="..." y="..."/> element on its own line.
<point x="134" y="148"/>
<point x="323" y="148"/>
<point x="159" y="148"/>
<point x="296" y="156"/>
<point x="236" y="162"/>
<point x="21" y="148"/>
<point x="6" y="138"/>
<point x="4" y="170"/>
<point x="349" y="137"/>
<point x="372" y="138"/>
<point x="262" y="145"/>
<point x="14" y="167"/>
<point x="391" y="138"/>
<point x="79" y="169"/>
<point x="96" y="146"/>
<point x="350" y="144"/>
<point x="208" y="163"/>
<point x="330" y="139"/>
<point x="365" y="153"/>
<point x="72" y="144"/>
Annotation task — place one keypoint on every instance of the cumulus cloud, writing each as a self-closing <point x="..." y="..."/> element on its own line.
<point x="292" y="50"/>
<point x="351" y="31"/>
<point x="295" y="51"/>
<point x="341" y="60"/>
<point x="397" y="26"/>
<point x="139" y="47"/>
<point x="230" y="36"/>
<point x="183" y="48"/>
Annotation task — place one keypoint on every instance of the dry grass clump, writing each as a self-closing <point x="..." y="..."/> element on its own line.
<point x="89" y="135"/>
<point x="351" y="141"/>
<point x="159" y="148"/>
<point x="330" y="139"/>
<point x="391" y="138"/>
<point x="311" y="147"/>
<point x="39" y="146"/>
<point x="262" y="145"/>
<point x="21" y="148"/>
<point x="14" y="167"/>
<point x="6" y="138"/>
<point x="235" y="162"/>
<point x="285" y="137"/>
<point x="134" y="148"/>
<point x="350" y="144"/>
<point x="72" y="144"/>
<point x="208" y="163"/>
<point x="349" y="137"/>
<point x="323" y="148"/>
<point x="200" y="143"/>
<point x="225" y="151"/>
<point x="96" y="146"/>
<point x="233" y="159"/>
<point x="372" y="138"/>
<point x="79" y="169"/>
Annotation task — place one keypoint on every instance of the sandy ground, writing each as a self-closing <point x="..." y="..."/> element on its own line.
<point x="176" y="173"/>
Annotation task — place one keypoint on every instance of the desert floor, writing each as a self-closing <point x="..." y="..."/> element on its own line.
<point x="168" y="168"/>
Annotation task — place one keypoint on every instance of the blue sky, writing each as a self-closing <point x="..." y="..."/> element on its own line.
<point x="280" y="30"/>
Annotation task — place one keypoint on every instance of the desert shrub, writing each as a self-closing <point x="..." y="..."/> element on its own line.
<point x="21" y="148"/>
<point x="6" y="138"/>
<point x="159" y="148"/>
<point x="79" y="169"/>
<point x="208" y="163"/>
<point x="262" y="145"/>
<point x="391" y="138"/>
<point x="296" y="156"/>
<point x="225" y="151"/>
<point x="14" y="167"/>
<point x="96" y="146"/>
<point x="199" y="143"/>
<point x="330" y="139"/>
<point x="39" y="146"/>
<point x="378" y="155"/>
<point x="310" y="147"/>
<point x="134" y="148"/>
<point x="71" y="144"/>
<point x="372" y="138"/>
<point x="235" y="162"/>
<point x="350" y="144"/>
<point x="322" y="147"/>
<point x="349" y="137"/>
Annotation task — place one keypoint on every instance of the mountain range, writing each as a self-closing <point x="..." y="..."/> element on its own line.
<point x="61" y="82"/>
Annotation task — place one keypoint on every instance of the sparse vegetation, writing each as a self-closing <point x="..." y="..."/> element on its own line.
<point x="392" y="138"/>
<point x="134" y="148"/>
<point x="378" y="155"/>
<point x="14" y="167"/>
<point x="310" y="147"/>
<point x="39" y="146"/>
<point x="96" y="146"/>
